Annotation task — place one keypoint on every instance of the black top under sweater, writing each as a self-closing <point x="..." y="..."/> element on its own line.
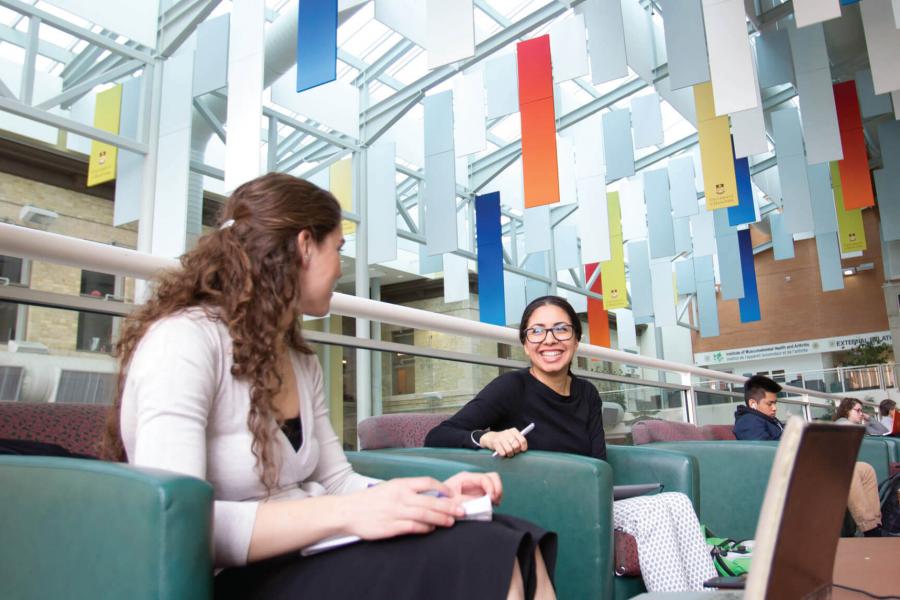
<point x="572" y="423"/>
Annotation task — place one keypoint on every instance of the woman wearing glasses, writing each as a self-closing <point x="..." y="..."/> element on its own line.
<point x="566" y="411"/>
<point x="850" y="411"/>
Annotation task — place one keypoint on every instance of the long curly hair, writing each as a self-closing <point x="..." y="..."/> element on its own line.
<point x="843" y="409"/>
<point x="245" y="274"/>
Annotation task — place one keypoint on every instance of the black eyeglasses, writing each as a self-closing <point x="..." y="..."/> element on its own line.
<point x="561" y="332"/>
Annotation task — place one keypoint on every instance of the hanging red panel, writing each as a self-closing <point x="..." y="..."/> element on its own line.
<point x="854" y="168"/>
<point x="598" y="318"/>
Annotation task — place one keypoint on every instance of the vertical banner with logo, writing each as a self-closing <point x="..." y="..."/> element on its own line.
<point x="102" y="163"/>
<point x="851" y="234"/>
<point x="612" y="272"/>
<point x="716" y="158"/>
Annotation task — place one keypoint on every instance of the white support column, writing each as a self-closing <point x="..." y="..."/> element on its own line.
<point x="149" y="133"/>
<point x="363" y="357"/>
<point x="377" y="357"/>
<point x="26" y="91"/>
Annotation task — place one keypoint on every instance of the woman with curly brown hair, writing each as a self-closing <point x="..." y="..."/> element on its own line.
<point x="217" y="382"/>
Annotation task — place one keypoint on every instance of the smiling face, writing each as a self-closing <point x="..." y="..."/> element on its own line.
<point x="320" y="268"/>
<point x="551" y="356"/>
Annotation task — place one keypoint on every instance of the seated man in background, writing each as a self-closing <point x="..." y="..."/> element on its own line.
<point x="755" y="420"/>
<point x="886" y="410"/>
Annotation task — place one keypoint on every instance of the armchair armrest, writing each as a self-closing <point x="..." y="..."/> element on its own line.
<point x="85" y="529"/>
<point x="388" y="466"/>
<point x="676" y="471"/>
<point x="568" y="494"/>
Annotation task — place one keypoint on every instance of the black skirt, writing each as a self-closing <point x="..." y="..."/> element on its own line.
<point x="469" y="560"/>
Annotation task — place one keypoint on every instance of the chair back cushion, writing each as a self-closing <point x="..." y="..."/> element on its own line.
<point x="719" y="432"/>
<point x="404" y="430"/>
<point x="645" y="432"/>
<point x="76" y="427"/>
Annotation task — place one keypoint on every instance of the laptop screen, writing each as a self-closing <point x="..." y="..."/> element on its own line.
<point x="803" y="511"/>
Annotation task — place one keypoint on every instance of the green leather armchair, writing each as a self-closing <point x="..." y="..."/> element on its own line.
<point x="84" y="529"/>
<point x="572" y="495"/>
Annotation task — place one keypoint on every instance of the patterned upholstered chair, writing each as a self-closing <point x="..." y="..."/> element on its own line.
<point x="403" y="430"/>
<point x="719" y="432"/>
<point x="651" y="430"/>
<point x="76" y="427"/>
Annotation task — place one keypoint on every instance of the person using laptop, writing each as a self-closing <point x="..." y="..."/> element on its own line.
<point x="567" y="415"/>
<point x="756" y="420"/>
<point x="886" y="410"/>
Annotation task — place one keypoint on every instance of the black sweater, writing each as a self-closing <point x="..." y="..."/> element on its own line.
<point x="571" y="423"/>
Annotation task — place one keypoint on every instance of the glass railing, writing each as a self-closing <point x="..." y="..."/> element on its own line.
<point x="416" y="360"/>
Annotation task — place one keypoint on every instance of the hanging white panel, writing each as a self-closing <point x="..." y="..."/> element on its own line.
<point x="537" y="229"/>
<point x="381" y="194"/>
<point x="816" y="96"/>
<point x="509" y="184"/>
<point x="639" y="277"/>
<point x="406" y="17"/>
<point x="685" y="42"/>
<point x="782" y="240"/>
<point x="730" y="63"/>
<point x="129" y="166"/>
<point x="501" y="78"/>
<point x="246" y="53"/>
<point x="618" y="146"/>
<point x="704" y="233"/>
<point x="639" y="40"/>
<point x="470" y="134"/>
<point x="773" y="55"/>
<point x="788" y="138"/>
<point x="634" y="212"/>
<point x="748" y="128"/>
<point x="684" y="277"/>
<point x="135" y="20"/>
<point x="565" y="169"/>
<point x="565" y="242"/>
<point x="663" y="294"/>
<point x="647" y="121"/>
<point x="593" y="219"/>
<point x="659" y="213"/>
<point x="587" y="137"/>
<point x="456" y="278"/>
<point x="883" y="43"/>
<point x="606" y="39"/>
<point x="334" y="104"/>
<point x="171" y="196"/>
<point x="626" y="334"/>
<point x="440" y="203"/>
<point x="568" y="48"/>
<point x="808" y="12"/>
<point x="681" y="185"/>
<point x="870" y="104"/>
<point x="408" y="134"/>
<point x="449" y="31"/>
<point x="683" y="241"/>
<point x="514" y="296"/>
<point x="821" y="199"/>
<point x="211" y="56"/>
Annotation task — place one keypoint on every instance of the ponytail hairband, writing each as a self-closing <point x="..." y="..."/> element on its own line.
<point x="226" y="224"/>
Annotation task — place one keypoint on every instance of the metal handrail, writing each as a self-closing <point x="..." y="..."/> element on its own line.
<point x="51" y="247"/>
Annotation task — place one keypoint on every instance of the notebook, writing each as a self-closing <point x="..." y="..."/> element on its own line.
<point x="621" y="492"/>
<point x="477" y="509"/>
<point x="803" y="511"/>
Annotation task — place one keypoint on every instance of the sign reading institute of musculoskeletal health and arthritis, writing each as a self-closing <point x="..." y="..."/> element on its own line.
<point x="833" y="344"/>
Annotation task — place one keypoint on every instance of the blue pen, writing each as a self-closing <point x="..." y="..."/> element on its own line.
<point x="524" y="432"/>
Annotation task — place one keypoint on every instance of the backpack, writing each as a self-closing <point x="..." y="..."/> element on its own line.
<point x="890" y="504"/>
<point x="730" y="557"/>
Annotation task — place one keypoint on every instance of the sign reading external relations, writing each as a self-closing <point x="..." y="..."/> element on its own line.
<point x="834" y="344"/>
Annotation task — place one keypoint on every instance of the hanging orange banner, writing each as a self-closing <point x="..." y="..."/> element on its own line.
<point x="538" y="117"/>
<point x="855" y="179"/>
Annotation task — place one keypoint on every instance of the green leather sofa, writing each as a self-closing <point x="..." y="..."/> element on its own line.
<point x="572" y="495"/>
<point x="84" y="529"/>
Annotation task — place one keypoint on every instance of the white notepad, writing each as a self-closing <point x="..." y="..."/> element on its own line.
<point x="477" y="509"/>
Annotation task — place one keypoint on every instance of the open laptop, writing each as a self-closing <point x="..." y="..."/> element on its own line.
<point x="802" y="513"/>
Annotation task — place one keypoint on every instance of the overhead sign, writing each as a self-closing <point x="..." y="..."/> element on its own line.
<point x="834" y="344"/>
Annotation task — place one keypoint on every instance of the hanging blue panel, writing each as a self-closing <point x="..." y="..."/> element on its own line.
<point x="744" y="212"/>
<point x="749" y="304"/>
<point x="491" y="302"/>
<point x="316" y="43"/>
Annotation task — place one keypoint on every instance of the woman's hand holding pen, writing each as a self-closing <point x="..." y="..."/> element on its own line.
<point x="508" y="442"/>
<point x="467" y="486"/>
<point x="399" y="507"/>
